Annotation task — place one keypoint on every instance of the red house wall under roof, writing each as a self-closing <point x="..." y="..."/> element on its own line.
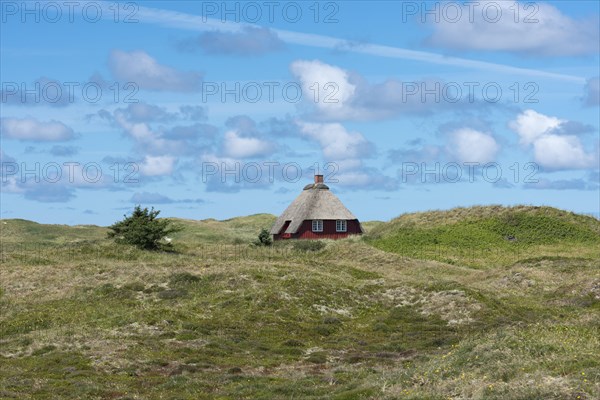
<point x="329" y="231"/>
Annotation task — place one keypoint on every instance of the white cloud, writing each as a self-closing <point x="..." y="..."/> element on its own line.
<point x="493" y="27"/>
<point x="552" y="150"/>
<point x="230" y="175"/>
<point x="346" y="152"/>
<point x="157" y="165"/>
<point x="336" y="142"/>
<point x="530" y="125"/>
<point x="562" y="152"/>
<point x="178" y="140"/>
<point x="141" y="133"/>
<point x="333" y="94"/>
<point x="56" y="182"/>
<point x="244" y="147"/>
<point x="32" y="129"/>
<point x="469" y="145"/>
<point x="328" y="86"/>
<point x="143" y="70"/>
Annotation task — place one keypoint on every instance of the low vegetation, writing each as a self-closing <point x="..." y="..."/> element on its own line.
<point x="83" y="317"/>
<point x="264" y="238"/>
<point x="489" y="236"/>
<point x="143" y="230"/>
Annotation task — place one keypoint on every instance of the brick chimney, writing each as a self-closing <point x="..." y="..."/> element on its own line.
<point x="318" y="178"/>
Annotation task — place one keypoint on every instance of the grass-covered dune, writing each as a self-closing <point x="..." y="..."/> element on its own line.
<point x="81" y="317"/>
<point x="489" y="236"/>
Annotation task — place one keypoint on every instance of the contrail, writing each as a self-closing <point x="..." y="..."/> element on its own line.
<point x="178" y="20"/>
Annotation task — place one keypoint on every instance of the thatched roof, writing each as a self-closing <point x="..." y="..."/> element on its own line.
<point x="315" y="202"/>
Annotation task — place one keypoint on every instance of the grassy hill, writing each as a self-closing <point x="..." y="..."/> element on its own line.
<point x="81" y="317"/>
<point x="20" y="231"/>
<point x="489" y="236"/>
<point x="231" y="231"/>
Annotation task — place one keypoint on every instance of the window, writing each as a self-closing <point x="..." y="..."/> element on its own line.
<point x="317" y="225"/>
<point x="340" y="225"/>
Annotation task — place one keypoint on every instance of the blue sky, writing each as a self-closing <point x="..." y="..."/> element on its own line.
<point x="215" y="110"/>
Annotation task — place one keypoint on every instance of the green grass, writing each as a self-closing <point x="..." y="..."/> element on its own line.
<point x="489" y="236"/>
<point x="239" y="230"/>
<point x="81" y="317"/>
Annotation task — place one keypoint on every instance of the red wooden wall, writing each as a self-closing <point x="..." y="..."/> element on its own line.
<point x="305" y="230"/>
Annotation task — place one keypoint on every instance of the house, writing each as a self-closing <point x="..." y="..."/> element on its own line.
<point x="316" y="214"/>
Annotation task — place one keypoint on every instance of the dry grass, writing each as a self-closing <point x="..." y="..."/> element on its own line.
<point x="234" y="321"/>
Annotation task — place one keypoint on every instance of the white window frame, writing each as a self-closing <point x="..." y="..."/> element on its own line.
<point x="317" y="225"/>
<point x="341" y="225"/>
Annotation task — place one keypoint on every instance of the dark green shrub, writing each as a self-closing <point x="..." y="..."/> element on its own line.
<point x="143" y="229"/>
<point x="264" y="238"/>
